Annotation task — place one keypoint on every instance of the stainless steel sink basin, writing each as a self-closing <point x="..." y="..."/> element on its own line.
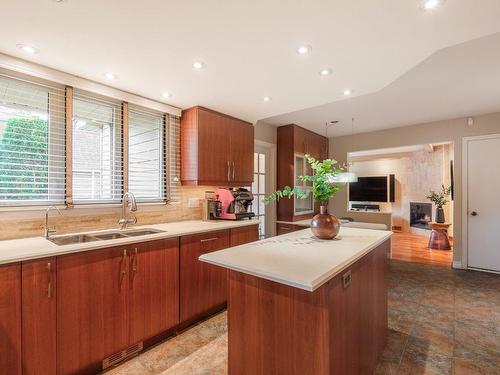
<point x="110" y="236"/>
<point x="73" y="238"/>
<point x="142" y="232"/>
<point x="101" y="236"/>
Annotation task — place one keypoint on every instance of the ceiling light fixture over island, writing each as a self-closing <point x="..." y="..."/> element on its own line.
<point x="300" y="305"/>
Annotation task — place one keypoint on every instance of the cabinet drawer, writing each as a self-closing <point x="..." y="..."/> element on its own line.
<point x="287" y="228"/>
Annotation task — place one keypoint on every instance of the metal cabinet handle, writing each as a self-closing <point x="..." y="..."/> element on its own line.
<point x="209" y="239"/>
<point x="285" y="228"/>
<point x="134" y="263"/>
<point x="233" y="170"/>
<point x="228" y="171"/>
<point x="474" y="213"/>
<point x="49" y="280"/>
<point x="123" y="265"/>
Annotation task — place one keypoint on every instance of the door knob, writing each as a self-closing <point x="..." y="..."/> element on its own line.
<point x="474" y="213"/>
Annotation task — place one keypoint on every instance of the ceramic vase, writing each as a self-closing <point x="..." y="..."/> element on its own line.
<point x="439" y="215"/>
<point x="324" y="225"/>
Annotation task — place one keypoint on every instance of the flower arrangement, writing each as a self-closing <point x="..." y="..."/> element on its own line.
<point x="439" y="198"/>
<point x="323" y="181"/>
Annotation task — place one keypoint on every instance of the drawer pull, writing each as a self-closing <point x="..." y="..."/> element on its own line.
<point x="285" y="228"/>
<point x="209" y="239"/>
<point x="49" y="280"/>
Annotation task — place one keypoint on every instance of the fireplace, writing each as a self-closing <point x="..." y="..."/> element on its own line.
<point x="420" y="215"/>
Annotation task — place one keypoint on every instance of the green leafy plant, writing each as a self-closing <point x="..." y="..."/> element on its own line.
<point x="439" y="198"/>
<point x="323" y="182"/>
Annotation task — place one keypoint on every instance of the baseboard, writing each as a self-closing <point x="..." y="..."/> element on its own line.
<point x="457" y="265"/>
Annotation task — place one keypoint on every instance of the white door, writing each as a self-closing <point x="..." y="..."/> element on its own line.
<point x="483" y="202"/>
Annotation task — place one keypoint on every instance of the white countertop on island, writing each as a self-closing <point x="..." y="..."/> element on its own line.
<point x="299" y="259"/>
<point x="23" y="249"/>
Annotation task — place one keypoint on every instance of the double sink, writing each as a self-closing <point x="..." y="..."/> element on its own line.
<point x="101" y="236"/>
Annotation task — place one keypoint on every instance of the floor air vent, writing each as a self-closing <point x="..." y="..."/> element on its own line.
<point x="115" y="358"/>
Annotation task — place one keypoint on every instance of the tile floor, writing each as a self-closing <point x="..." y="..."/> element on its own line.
<point x="441" y="321"/>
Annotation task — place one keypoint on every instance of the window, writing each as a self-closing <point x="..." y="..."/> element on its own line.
<point x="32" y="143"/>
<point x="259" y="191"/>
<point x="97" y="156"/>
<point x="146" y="156"/>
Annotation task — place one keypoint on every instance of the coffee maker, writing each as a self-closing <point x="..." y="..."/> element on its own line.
<point x="212" y="207"/>
<point x="235" y="203"/>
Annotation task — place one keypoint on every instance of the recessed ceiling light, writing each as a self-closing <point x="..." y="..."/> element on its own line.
<point x="347" y="92"/>
<point x="28" y="49"/>
<point x="325" y="72"/>
<point x="431" y="4"/>
<point x="166" y="95"/>
<point x="109" y="76"/>
<point x="304" y="50"/>
<point x="267" y="98"/>
<point x="198" y="65"/>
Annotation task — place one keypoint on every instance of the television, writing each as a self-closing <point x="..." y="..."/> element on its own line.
<point x="368" y="189"/>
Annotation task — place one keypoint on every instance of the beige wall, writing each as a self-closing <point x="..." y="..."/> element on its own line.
<point x="441" y="131"/>
<point x="265" y="132"/>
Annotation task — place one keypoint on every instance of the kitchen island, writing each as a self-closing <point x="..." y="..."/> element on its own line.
<point x="300" y="305"/>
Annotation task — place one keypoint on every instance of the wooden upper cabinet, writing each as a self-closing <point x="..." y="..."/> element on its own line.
<point x="304" y="142"/>
<point x="39" y="293"/>
<point x="10" y="319"/>
<point x="154" y="288"/>
<point x="216" y="149"/>
<point x="92" y="309"/>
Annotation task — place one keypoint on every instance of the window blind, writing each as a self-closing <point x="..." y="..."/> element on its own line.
<point x="174" y="158"/>
<point x="97" y="150"/>
<point x="147" y="155"/>
<point x="32" y="143"/>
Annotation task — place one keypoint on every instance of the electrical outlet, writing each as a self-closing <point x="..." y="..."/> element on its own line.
<point x="193" y="203"/>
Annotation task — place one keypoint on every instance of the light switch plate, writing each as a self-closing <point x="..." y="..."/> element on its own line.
<point x="193" y="203"/>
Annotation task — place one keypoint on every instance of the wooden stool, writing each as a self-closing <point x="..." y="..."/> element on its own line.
<point x="439" y="236"/>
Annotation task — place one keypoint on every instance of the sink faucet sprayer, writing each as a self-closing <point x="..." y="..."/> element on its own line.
<point x="130" y="202"/>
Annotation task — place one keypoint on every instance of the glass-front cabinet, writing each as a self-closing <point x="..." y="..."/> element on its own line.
<point x="305" y="205"/>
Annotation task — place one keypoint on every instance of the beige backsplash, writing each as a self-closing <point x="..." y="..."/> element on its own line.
<point x="29" y="223"/>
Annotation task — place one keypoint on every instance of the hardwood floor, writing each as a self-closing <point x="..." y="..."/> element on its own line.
<point x="410" y="247"/>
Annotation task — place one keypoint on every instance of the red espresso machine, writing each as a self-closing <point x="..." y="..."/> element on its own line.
<point x="235" y="203"/>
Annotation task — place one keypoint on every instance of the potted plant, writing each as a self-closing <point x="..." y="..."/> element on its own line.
<point x="324" y="187"/>
<point x="439" y="199"/>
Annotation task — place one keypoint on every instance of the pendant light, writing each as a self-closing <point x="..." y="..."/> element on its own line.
<point x="347" y="176"/>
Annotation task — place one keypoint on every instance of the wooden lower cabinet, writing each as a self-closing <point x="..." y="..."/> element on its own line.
<point x="92" y="309"/>
<point x="153" y="288"/>
<point x="202" y="286"/>
<point x="10" y="319"/>
<point x="39" y="296"/>
<point x="243" y="235"/>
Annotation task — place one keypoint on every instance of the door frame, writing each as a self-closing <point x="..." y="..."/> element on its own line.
<point x="465" y="198"/>
<point x="270" y="148"/>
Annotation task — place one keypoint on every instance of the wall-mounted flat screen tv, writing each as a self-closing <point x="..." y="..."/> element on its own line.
<point x="368" y="189"/>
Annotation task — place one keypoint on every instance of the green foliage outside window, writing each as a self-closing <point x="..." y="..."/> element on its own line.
<point x="24" y="164"/>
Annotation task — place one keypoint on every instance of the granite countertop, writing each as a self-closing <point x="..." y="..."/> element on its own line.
<point x="299" y="259"/>
<point x="38" y="247"/>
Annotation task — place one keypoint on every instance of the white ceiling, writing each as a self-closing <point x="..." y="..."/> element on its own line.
<point x="455" y="82"/>
<point x="248" y="48"/>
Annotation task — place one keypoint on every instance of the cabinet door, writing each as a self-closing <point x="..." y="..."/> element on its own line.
<point x="241" y="152"/>
<point x="213" y="148"/>
<point x="39" y="293"/>
<point x="10" y="319"/>
<point x="153" y="288"/>
<point x="243" y="235"/>
<point x="203" y="286"/>
<point x="92" y="321"/>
